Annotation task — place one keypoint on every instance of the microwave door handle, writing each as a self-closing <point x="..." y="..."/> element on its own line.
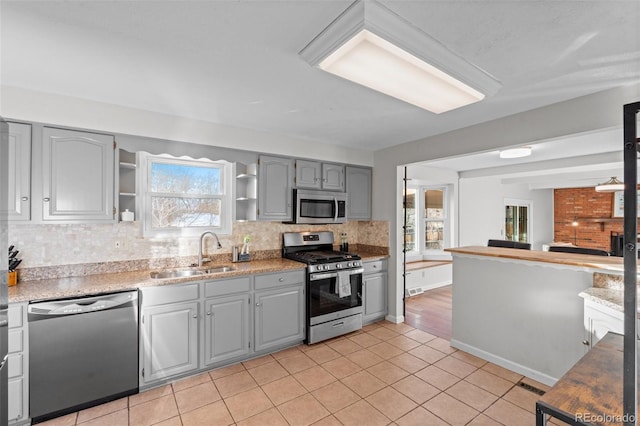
<point x="335" y="216"/>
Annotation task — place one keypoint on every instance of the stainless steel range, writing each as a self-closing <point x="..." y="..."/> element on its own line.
<point x="334" y="284"/>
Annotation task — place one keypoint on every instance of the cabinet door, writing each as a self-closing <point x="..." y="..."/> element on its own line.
<point x="374" y="288"/>
<point x="333" y="177"/>
<point x="19" y="179"/>
<point x="308" y="174"/>
<point x="358" y="193"/>
<point x="226" y="328"/>
<point x="169" y="340"/>
<point x="275" y="180"/>
<point x="279" y="317"/>
<point x="598" y="323"/>
<point x="78" y="176"/>
<point x="16" y="408"/>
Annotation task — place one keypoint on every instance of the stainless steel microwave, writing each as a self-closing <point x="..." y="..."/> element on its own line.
<point x="319" y="207"/>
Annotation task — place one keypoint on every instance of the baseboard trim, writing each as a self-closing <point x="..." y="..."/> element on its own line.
<point x="502" y="362"/>
<point x="395" y="319"/>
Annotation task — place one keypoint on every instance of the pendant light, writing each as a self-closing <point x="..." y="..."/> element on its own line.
<point x="612" y="185"/>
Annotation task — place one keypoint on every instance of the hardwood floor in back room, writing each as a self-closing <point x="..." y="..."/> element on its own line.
<point x="431" y="311"/>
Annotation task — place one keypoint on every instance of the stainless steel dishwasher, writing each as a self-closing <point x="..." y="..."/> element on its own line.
<point x="82" y="352"/>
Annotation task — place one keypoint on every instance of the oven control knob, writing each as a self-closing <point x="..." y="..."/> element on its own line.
<point x="339" y="265"/>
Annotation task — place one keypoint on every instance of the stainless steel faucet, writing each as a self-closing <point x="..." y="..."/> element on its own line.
<point x="204" y="234"/>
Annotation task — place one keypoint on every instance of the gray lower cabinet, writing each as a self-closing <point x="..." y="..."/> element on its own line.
<point x="275" y="183"/>
<point x="169" y="331"/>
<point x="358" y="193"/>
<point x="170" y="340"/>
<point x="199" y="325"/>
<point x="374" y="290"/>
<point x="78" y="170"/>
<point x="18" y="365"/>
<point x="19" y="179"/>
<point x="226" y="328"/>
<point x="279" y="316"/>
<point x="227" y="324"/>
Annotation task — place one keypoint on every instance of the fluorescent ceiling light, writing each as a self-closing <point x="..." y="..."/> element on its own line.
<point x="523" y="151"/>
<point x="372" y="46"/>
<point x="612" y="185"/>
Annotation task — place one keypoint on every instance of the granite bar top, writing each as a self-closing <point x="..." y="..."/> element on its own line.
<point x="607" y="290"/>
<point x="606" y="263"/>
<point x="28" y="291"/>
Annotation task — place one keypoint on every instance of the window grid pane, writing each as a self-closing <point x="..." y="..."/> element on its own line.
<point x="184" y="179"/>
<point x="410" y="231"/>
<point x="434" y="235"/>
<point x="178" y="212"/>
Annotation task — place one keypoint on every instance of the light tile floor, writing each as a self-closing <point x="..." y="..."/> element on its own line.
<point x="384" y="374"/>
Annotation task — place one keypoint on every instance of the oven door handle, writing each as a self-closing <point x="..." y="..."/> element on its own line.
<point x="322" y="276"/>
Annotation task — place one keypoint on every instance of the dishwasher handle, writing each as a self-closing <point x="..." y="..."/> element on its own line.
<point x="84" y="305"/>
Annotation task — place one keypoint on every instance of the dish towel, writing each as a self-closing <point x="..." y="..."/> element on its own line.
<point x="344" y="284"/>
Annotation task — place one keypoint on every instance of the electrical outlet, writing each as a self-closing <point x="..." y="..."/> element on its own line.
<point x="118" y="244"/>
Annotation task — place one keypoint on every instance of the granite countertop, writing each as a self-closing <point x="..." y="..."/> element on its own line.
<point x="104" y="283"/>
<point x="609" y="297"/>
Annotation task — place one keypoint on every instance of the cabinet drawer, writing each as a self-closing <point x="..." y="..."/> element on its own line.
<point x="16" y="341"/>
<point x="229" y="286"/>
<point x="15" y="366"/>
<point x="374" y="266"/>
<point x="16" y="316"/>
<point x="170" y="294"/>
<point x="279" y="279"/>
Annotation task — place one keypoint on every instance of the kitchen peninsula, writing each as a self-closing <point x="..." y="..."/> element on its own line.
<point x="521" y="309"/>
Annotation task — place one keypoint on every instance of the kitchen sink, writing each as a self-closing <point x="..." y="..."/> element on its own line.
<point x="182" y="273"/>
<point x="218" y="269"/>
<point x="176" y="274"/>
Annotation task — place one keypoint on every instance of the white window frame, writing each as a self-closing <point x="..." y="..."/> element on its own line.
<point x="423" y="221"/>
<point x="418" y="235"/>
<point x="519" y="203"/>
<point x="226" y="197"/>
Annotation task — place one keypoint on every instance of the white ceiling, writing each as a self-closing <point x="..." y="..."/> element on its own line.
<point x="236" y="62"/>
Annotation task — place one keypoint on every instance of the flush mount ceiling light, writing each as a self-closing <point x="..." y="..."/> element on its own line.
<point x="523" y="151"/>
<point x="372" y="46"/>
<point x="612" y="185"/>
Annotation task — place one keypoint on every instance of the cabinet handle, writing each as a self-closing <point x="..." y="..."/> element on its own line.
<point x="281" y="279"/>
<point x="375" y="266"/>
<point x="585" y="342"/>
<point x="195" y="316"/>
<point x="258" y="305"/>
<point x="208" y="313"/>
<point x="25" y="198"/>
<point x="46" y="199"/>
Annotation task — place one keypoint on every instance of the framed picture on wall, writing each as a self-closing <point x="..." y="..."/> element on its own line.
<point x="618" y="204"/>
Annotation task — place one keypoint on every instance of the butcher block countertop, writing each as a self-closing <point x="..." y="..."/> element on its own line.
<point x="104" y="283"/>
<point x="609" y="263"/>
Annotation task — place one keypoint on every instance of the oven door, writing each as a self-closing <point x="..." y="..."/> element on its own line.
<point x="334" y="295"/>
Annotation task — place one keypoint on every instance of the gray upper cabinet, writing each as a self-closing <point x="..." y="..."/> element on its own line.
<point x="316" y="175"/>
<point x="308" y="174"/>
<point x="333" y="177"/>
<point x="275" y="183"/>
<point x="78" y="176"/>
<point x="19" y="188"/>
<point x="358" y="193"/>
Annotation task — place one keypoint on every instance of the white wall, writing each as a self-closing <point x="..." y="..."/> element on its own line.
<point x="595" y="112"/>
<point x="29" y="105"/>
<point x="482" y="211"/>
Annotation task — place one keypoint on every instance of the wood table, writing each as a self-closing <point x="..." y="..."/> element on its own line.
<point x="591" y="391"/>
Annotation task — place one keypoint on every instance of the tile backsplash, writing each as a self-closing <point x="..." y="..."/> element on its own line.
<point x="68" y="244"/>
